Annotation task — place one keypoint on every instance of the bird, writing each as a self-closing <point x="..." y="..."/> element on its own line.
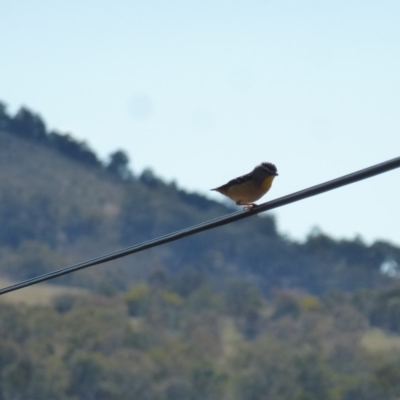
<point x="248" y="188"/>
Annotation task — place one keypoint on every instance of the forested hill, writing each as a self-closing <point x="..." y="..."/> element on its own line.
<point x="61" y="204"/>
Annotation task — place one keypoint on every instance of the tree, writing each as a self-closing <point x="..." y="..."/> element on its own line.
<point x="118" y="165"/>
<point x="87" y="374"/>
<point x="5" y="119"/>
<point x="70" y="147"/>
<point x="385" y="310"/>
<point x="28" y="125"/>
<point x="265" y="370"/>
<point x="244" y="301"/>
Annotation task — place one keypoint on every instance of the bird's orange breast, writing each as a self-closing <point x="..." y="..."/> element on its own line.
<point x="267" y="183"/>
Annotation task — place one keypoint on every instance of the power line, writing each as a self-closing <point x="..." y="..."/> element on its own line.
<point x="236" y="216"/>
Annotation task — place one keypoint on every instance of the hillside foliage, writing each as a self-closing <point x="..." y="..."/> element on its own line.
<point x="174" y="337"/>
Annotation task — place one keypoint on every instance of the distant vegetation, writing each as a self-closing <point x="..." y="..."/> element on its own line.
<point x="239" y="312"/>
<point x="174" y="337"/>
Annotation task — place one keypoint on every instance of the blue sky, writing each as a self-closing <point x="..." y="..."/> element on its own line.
<point x="202" y="91"/>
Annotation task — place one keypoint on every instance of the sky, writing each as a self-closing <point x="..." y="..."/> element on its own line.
<point x="202" y="91"/>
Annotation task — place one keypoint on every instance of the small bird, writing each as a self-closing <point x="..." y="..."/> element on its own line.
<point x="246" y="189"/>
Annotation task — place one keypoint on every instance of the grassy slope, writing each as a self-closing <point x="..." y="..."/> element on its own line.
<point x="30" y="168"/>
<point x="376" y="340"/>
<point x="41" y="294"/>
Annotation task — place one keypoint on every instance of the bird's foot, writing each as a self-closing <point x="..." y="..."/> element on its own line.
<point x="249" y="206"/>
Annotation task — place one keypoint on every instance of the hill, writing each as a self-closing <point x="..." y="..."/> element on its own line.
<point x="59" y="204"/>
<point x="239" y="312"/>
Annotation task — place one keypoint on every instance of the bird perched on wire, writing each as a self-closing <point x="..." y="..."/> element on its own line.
<point x="247" y="189"/>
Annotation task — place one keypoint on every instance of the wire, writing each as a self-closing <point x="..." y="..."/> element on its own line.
<point x="214" y="223"/>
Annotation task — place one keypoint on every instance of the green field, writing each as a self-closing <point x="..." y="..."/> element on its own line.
<point x="376" y="340"/>
<point x="40" y="294"/>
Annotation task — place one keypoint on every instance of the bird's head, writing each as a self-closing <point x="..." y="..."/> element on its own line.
<point x="266" y="168"/>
